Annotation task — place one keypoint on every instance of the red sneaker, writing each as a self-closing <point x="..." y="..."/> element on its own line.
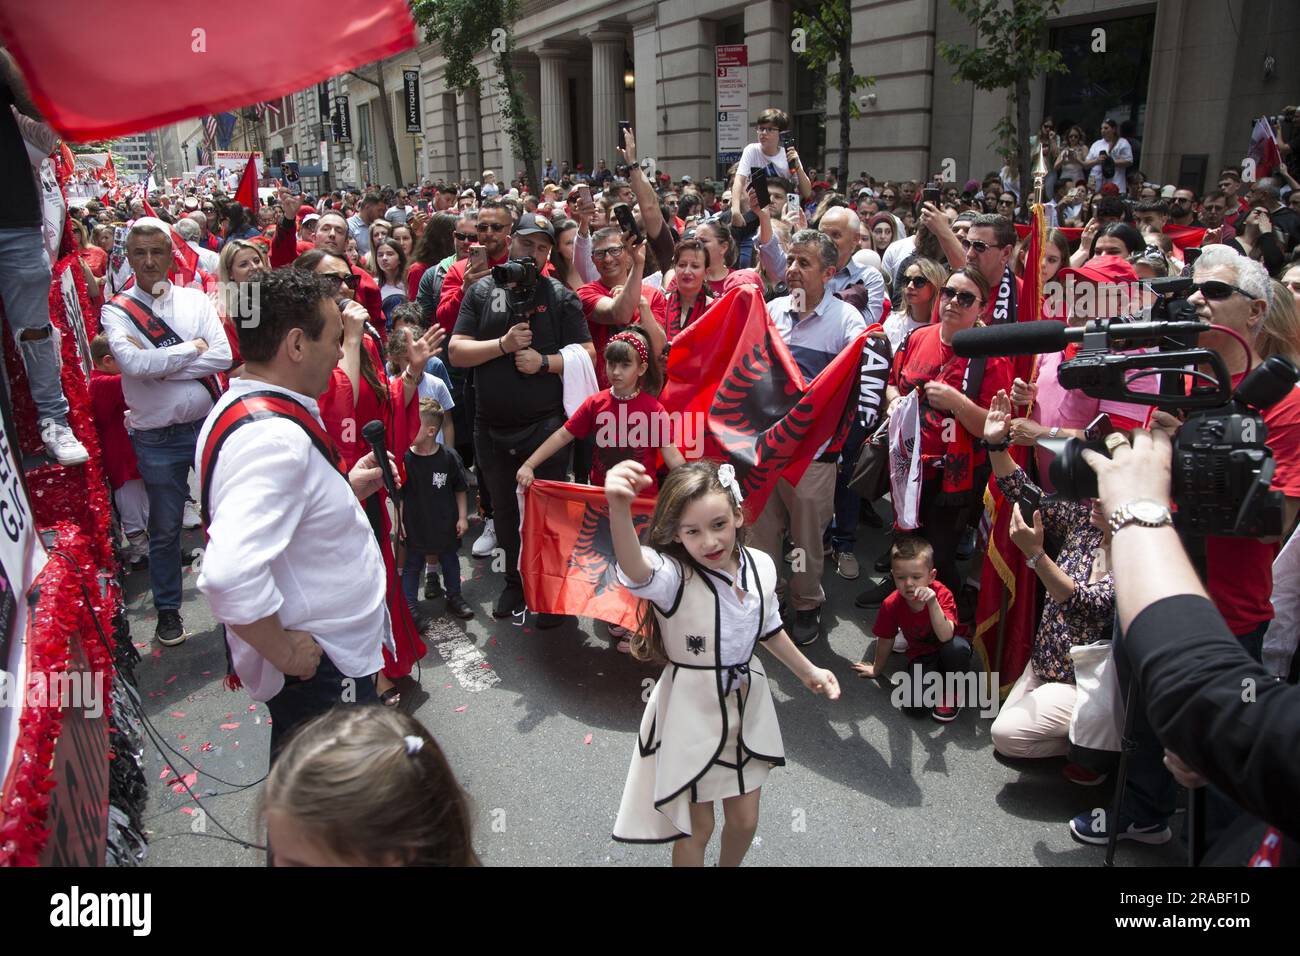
<point x="946" y="711"/>
<point x="1084" y="777"/>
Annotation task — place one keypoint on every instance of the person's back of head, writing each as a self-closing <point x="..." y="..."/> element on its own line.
<point x="367" y="786"/>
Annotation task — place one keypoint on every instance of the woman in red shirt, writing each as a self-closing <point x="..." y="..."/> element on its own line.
<point x="688" y="298"/>
<point x="954" y="395"/>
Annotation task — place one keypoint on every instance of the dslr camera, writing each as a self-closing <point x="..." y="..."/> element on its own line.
<point x="520" y="274"/>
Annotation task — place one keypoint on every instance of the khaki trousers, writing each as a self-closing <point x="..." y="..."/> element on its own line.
<point x="807" y="508"/>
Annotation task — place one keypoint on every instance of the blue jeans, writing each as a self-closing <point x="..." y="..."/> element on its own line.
<point x="848" y="504"/>
<point x="165" y="456"/>
<point x="25" y="288"/>
<point x="302" y="700"/>
<point x="414" y="564"/>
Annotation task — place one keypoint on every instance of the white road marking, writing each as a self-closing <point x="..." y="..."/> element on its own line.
<point x="463" y="657"/>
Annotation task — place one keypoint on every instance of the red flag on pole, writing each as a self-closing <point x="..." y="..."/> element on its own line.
<point x="246" y="194"/>
<point x="1263" y="149"/>
<point x="731" y="377"/>
<point x="567" y="553"/>
<point x="1006" y="615"/>
<point x="217" y="63"/>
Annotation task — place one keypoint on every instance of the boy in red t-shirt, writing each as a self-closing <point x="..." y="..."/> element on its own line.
<point x="108" y="406"/>
<point x="926" y="614"/>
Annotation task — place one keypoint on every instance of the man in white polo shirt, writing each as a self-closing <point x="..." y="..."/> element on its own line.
<point x="816" y="326"/>
<point x="169" y="344"/>
<point x="292" y="567"/>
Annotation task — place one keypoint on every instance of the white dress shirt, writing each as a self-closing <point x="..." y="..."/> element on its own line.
<point x="289" y="536"/>
<point x="161" y="386"/>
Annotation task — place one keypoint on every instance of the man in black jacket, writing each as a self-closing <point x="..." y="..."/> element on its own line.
<point x="513" y="339"/>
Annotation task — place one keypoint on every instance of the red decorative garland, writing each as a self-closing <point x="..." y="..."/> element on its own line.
<point x="60" y="616"/>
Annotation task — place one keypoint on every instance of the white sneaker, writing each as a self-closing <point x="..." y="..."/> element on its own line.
<point x="191" y="518"/>
<point x="61" y="444"/>
<point x="486" y="542"/>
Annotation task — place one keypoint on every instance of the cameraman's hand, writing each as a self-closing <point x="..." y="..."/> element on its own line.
<point x="1023" y="393"/>
<point x="998" y="423"/>
<point x="1140" y="470"/>
<point x="519" y="337"/>
<point x="528" y="361"/>
<point x="1165" y="422"/>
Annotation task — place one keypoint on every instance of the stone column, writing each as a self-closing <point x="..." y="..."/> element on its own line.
<point x="645" y="63"/>
<point x="557" y="133"/>
<point x="767" y="34"/>
<point x="607" y="47"/>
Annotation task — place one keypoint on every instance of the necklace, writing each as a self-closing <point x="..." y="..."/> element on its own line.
<point x="625" y="398"/>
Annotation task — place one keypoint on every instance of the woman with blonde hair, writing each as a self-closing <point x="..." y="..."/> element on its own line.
<point x="1280" y="333"/>
<point x="238" y="265"/>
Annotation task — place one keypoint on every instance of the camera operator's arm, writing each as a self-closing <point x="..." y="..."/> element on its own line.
<point x="1209" y="702"/>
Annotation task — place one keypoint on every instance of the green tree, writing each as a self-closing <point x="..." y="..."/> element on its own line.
<point x="1008" y="54"/>
<point x="463" y="29"/>
<point x="828" y="37"/>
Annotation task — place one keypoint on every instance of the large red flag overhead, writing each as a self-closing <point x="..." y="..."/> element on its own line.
<point x="195" y="59"/>
<point x="731" y="374"/>
<point x="246" y="194"/>
<point x="567" y="554"/>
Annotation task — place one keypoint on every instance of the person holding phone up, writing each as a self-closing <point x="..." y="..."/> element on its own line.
<point x="767" y="154"/>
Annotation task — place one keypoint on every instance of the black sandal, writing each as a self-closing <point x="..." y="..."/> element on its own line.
<point x="391" y="697"/>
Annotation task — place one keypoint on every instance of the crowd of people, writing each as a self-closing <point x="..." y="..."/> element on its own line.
<point x="413" y="307"/>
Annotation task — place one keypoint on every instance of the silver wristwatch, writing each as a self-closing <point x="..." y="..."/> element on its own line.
<point x="1142" y="511"/>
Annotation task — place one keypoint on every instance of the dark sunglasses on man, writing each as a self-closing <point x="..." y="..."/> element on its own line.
<point x="979" y="245"/>
<point x="351" y="280"/>
<point x="1215" y="291"/>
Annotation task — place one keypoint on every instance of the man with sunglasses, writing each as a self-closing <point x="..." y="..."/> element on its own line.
<point x="989" y="243"/>
<point x="464" y="234"/>
<point x="1182" y="208"/>
<point x="1231" y="291"/>
<point x="331" y="236"/>
<point x="492" y="230"/>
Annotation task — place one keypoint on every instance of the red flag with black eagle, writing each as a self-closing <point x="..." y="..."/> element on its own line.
<point x="1004" y="635"/>
<point x="567" y="554"/>
<point x="731" y="371"/>
<point x="246" y="193"/>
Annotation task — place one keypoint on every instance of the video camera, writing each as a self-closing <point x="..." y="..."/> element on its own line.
<point x="521" y="274"/>
<point x="1222" y="470"/>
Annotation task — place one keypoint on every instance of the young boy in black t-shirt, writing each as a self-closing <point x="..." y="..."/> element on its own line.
<point x="433" y="510"/>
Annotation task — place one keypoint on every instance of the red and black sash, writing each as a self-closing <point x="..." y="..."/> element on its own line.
<point x="159" y="333"/>
<point x="254" y="407"/>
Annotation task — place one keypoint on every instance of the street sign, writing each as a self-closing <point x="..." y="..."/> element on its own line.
<point x="732" y="82"/>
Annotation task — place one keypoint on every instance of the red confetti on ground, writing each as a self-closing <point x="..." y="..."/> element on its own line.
<point x="252" y="707"/>
<point x="206" y="748"/>
<point x="181" y="737"/>
<point x="188" y="811"/>
<point x="485" y="666"/>
<point x="157" y="654"/>
<point x="228" y="716"/>
<point x="234" y="726"/>
<point x="587" y="739"/>
<point x="461" y="709"/>
<point x="205" y="673"/>
<point x="170" y="679"/>
<point x="492" y="640"/>
<point x="178" y="713"/>
<point x="446" y="685"/>
<point x="166" y="772"/>
<point x="189" y="780"/>
<point x="186" y="748"/>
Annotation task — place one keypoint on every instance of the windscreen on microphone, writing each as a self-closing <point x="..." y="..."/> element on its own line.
<point x="1015" y="338"/>
<point x="373" y="432"/>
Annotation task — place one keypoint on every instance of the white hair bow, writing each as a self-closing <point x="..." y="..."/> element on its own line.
<point x="413" y="744"/>
<point x="727" y="476"/>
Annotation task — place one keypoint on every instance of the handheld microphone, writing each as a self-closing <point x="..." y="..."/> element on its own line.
<point x="373" y="433"/>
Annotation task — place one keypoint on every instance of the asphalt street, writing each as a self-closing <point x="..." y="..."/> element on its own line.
<point x="539" y="727"/>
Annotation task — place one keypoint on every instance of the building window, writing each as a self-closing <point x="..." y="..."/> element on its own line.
<point x="1096" y="88"/>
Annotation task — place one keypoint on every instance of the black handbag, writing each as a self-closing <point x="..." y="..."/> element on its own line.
<point x="871" y="472"/>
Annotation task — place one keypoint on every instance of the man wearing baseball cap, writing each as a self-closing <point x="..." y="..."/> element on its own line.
<point x="514" y="342"/>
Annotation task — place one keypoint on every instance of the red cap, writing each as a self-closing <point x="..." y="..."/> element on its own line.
<point x="821" y="185"/>
<point x="1110" y="189"/>
<point x="1107" y="270"/>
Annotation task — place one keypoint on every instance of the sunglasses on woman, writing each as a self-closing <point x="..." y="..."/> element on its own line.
<point x="1216" y="291"/>
<point x="964" y="299"/>
<point x="916" y="282"/>
<point x="465" y="236"/>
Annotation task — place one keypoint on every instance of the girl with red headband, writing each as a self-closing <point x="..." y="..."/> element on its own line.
<point x="627" y="419"/>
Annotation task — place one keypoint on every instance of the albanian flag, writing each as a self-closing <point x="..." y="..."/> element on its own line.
<point x="731" y="372"/>
<point x="195" y="61"/>
<point x="1006" y="616"/>
<point x="246" y="193"/>
<point x="567" y="555"/>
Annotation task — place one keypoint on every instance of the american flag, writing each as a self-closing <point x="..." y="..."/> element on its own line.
<point x="210" y="129"/>
<point x="261" y="109"/>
